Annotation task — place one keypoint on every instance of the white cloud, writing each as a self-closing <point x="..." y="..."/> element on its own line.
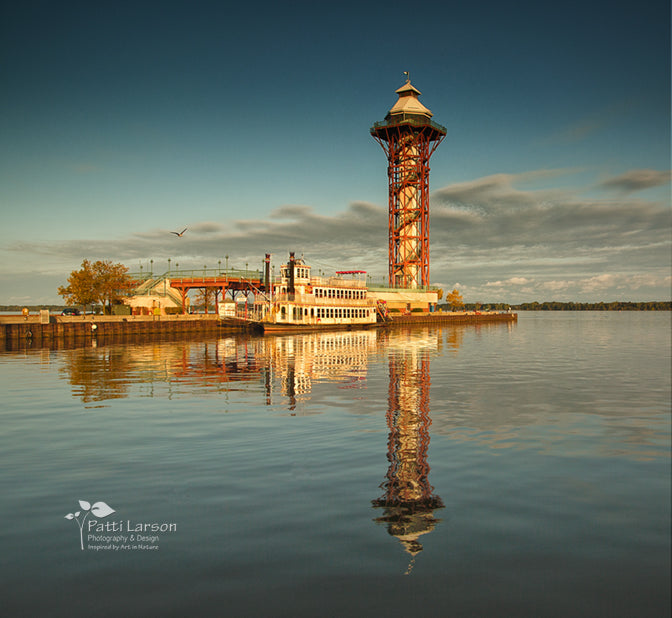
<point x="492" y="234"/>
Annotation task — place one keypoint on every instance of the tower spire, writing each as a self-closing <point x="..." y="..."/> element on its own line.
<point x="409" y="137"/>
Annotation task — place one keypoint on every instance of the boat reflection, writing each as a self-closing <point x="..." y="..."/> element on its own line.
<point x="283" y="371"/>
<point x="408" y="501"/>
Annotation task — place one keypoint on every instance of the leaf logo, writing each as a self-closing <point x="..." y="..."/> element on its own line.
<point x="99" y="509"/>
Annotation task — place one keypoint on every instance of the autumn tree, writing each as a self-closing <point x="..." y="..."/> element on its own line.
<point x="113" y="282"/>
<point x="205" y="298"/>
<point x="454" y="299"/>
<point x="81" y="286"/>
<point x="98" y="282"/>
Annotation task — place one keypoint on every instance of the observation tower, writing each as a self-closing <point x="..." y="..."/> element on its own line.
<point x="409" y="136"/>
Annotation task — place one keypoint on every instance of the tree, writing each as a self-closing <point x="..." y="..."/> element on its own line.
<point x="101" y="282"/>
<point x="205" y="298"/>
<point x="81" y="289"/>
<point x="454" y="299"/>
<point x="113" y="282"/>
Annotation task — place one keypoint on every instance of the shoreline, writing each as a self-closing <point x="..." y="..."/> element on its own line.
<point x="36" y="329"/>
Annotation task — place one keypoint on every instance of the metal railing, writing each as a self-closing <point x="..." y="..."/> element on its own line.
<point x="415" y="121"/>
<point x="196" y="273"/>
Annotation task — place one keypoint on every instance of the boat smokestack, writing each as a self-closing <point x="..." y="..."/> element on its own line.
<point x="267" y="273"/>
<point x="292" y="263"/>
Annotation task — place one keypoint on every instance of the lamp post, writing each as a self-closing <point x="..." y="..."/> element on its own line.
<point x="168" y="265"/>
<point x="227" y="262"/>
<point x="151" y="267"/>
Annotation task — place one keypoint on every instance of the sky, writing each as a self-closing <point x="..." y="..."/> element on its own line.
<point x="248" y="124"/>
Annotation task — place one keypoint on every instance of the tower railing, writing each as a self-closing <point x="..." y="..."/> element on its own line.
<point x="416" y="121"/>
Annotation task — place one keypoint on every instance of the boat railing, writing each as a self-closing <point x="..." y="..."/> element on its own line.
<point x="305" y="299"/>
<point x="337" y="282"/>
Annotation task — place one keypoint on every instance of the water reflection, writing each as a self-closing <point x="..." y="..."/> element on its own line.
<point x="288" y="368"/>
<point x="300" y="360"/>
<point x="408" y="502"/>
<point x="285" y="366"/>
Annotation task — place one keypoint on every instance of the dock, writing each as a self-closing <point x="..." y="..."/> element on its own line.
<point x="46" y="330"/>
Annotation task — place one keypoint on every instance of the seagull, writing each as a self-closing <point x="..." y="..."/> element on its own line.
<point x="179" y="234"/>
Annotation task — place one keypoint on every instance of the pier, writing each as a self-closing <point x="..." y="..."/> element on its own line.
<point x="44" y="329"/>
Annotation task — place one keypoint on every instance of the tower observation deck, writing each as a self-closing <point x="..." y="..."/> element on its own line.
<point x="409" y="136"/>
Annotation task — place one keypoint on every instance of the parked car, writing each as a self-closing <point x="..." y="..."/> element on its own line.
<point x="70" y="311"/>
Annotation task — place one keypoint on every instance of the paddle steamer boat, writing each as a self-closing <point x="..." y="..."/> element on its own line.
<point x="300" y="301"/>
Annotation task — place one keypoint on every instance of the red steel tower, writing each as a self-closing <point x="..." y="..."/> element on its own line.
<point x="409" y="137"/>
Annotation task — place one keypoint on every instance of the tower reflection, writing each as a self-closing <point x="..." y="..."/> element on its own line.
<point x="408" y="502"/>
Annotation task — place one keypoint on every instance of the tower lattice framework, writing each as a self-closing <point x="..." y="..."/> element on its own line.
<point x="409" y="137"/>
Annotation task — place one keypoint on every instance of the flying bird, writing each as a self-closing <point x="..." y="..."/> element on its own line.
<point x="179" y="234"/>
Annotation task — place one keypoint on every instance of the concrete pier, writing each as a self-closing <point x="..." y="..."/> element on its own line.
<point x="457" y="317"/>
<point x="16" y="330"/>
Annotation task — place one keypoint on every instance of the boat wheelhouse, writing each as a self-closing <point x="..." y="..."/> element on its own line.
<point x="301" y="301"/>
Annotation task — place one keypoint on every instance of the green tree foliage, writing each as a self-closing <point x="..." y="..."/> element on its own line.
<point x="100" y="282"/>
<point x="619" y="305"/>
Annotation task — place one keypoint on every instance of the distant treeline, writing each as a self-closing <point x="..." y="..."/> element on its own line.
<point x="31" y="308"/>
<point x="619" y="305"/>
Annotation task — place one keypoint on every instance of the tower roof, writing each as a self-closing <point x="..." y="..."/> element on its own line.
<point x="408" y="102"/>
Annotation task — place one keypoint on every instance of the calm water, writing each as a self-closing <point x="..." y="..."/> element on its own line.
<point x="473" y="471"/>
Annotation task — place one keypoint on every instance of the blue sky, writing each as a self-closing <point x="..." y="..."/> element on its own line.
<point x="249" y="124"/>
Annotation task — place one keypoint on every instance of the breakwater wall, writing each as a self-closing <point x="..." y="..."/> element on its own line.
<point x="462" y="317"/>
<point x="39" y="330"/>
<point x="44" y="330"/>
